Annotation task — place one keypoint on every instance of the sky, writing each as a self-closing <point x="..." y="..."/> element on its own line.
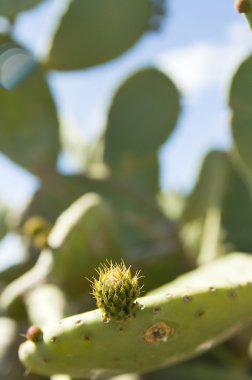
<point x="200" y="45"/>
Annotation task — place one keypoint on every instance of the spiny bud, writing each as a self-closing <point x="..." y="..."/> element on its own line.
<point x="242" y="6"/>
<point x="34" y="333"/>
<point x="116" y="291"/>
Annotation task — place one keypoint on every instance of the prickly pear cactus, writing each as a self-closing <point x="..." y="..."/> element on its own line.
<point x="148" y="102"/>
<point x="89" y="223"/>
<point x="109" y="209"/>
<point x="212" y="210"/>
<point x="245" y="7"/>
<point x="108" y="29"/>
<point x="10" y="8"/>
<point x="174" y="323"/>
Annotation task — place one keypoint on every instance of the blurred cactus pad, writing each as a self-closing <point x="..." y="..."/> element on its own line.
<point x="171" y="274"/>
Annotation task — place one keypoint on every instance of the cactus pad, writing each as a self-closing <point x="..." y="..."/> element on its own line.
<point x="102" y="31"/>
<point x="10" y="8"/>
<point x="182" y="320"/>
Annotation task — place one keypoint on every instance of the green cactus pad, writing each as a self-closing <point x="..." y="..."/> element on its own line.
<point x="84" y="235"/>
<point x="46" y="304"/>
<point x="176" y="322"/>
<point x="56" y="193"/>
<point x="240" y="99"/>
<point x="3" y="221"/>
<point x="209" y="188"/>
<point x="141" y="117"/>
<point x="11" y="7"/>
<point x="29" y="136"/>
<point x="220" y="203"/>
<point x="94" y="31"/>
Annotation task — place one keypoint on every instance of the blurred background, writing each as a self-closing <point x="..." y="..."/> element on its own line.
<point x="198" y="44"/>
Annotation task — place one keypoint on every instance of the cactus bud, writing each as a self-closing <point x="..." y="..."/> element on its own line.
<point x="116" y="291"/>
<point x="37" y="229"/>
<point x="242" y="6"/>
<point x="34" y="333"/>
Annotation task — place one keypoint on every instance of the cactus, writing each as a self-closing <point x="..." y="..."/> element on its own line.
<point x="89" y="223"/>
<point x="148" y="102"/>
<point x="3" y="221"/>
<point x="240" y="100"/>
<point x="109" y="209"/>
<point x="198" y="371"/>
<point x="213" y="203"/>
<point x="176" y="322"/>
<point x="10" y="8"/>
<point x="10" y="366"/>
<point x="245" y="7"/>
<point x="28" y="138"/>
<point x="105" y="32"/>
<point x="46" y="304"/>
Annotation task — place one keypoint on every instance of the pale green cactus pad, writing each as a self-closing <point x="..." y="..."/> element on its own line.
<point x="176" y="322"/>
<point x="102" y="31"/>
<point x="83" y="235"/>
<point x="11" y="7"/>
<point x="240" y="103"/>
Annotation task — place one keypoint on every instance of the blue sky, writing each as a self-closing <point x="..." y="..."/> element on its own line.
<point x="200" y="45"/>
